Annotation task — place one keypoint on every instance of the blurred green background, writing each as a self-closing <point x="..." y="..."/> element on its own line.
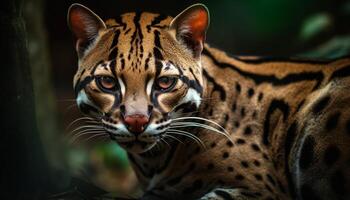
<point x="317" y="29"/>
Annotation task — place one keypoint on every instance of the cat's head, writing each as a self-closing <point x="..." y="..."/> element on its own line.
<point x="140" y="73"/>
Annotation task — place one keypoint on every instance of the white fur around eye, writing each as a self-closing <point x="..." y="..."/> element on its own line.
<point x="122" y="86"/>
<point x="191" y="96"/>
<point x="149" y="86"/>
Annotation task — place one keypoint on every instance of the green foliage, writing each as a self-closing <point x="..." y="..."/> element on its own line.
<point x="113" y="156"/>
<point x="314" y="25"/>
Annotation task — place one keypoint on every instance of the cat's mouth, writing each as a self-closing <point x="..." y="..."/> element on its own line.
<point x="135" y="142"/>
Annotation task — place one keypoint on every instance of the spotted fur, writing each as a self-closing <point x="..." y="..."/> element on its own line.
<point x="278" y="129"/>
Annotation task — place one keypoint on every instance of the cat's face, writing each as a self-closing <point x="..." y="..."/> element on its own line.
<point x="140" y="74"/>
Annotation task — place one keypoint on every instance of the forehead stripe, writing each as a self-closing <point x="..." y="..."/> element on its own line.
<point x="114" y="53"/>
<point x="157" y="39"/>
<point x="157" y="20"/>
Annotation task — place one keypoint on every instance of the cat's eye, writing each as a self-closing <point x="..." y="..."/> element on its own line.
<point x="166" y="83"/>
<point x="107" y="82"/>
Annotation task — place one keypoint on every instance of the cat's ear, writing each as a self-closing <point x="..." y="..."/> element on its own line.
<point x="85" y="26"/>
<point x="190" y="27"/>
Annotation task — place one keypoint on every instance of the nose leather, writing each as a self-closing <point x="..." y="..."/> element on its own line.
<point x="136" y="123"/>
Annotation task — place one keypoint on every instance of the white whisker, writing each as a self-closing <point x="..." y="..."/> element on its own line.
<point x="188" y="134"/>
<point x="194" y="124"/>
<point x="80" y="119"/>
<point x="94" y="136"/>
<point x="87" y="127"/>
<point x="175" y="138"/>
<point x="204" y="119"/>
<point x="162" y="139"/>
<point x="85" y="132"/>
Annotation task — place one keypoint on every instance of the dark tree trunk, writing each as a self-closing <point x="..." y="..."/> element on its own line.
<point x="24" y="173"/>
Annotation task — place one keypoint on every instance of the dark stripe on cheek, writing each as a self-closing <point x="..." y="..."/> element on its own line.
<point x="186" y="107"/>
<point x="82" y="84"/>
<point x="192" y="84"/>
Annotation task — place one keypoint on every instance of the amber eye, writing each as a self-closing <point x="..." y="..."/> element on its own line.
<point x="107" y="82"/>
<point x="166" y="82"/>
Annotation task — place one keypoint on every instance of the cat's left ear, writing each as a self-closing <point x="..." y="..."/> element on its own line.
<point x="190" y="28"/>
<point x="85" y="26"/>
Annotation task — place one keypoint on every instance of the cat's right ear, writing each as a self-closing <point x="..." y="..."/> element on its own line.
<point x="85" y="26"/>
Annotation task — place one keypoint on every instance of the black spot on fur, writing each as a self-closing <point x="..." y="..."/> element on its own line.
<point x="250" y="92"/>
<point x="247" y="130"/>
<point x="255" y="147"/>
<point x="260" y="97"/>
<point x="258" y="177"/>
<point x="223" y="194"/>
<point x="213" y="144"/>
<point x="268" y="188"/>
<point x="256" y="163"/>
<point x="308" y="193"/>
<point x="234" y="107"/>
<point x="332" y="121"/>
<point x="265" y="156"/>
<point x="230" y="169"/>
<point x="245" y="164"/>
<point x="236" y="123"/>
<point x="321" y="104"/>
<point x="210" y="166"/>
<point x="240" y="141"/>
<point x="238" y="87"/>
<point x="255" y="114"/>
<point x="270" y="179"/>
<point x="229" y="144"/>
<point x="225" y="155"/>
<point x="337" y="182"/>
<point x="226" y="117"/>
<point x="242" y="112"/>
<point x="331" y="155"/>
<point x="307" y="153"/>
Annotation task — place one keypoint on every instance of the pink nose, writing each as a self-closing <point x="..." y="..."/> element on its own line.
<point x="136" y="123"/>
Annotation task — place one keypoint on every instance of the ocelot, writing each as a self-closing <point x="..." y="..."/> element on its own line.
<point x="199" y="124"/>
